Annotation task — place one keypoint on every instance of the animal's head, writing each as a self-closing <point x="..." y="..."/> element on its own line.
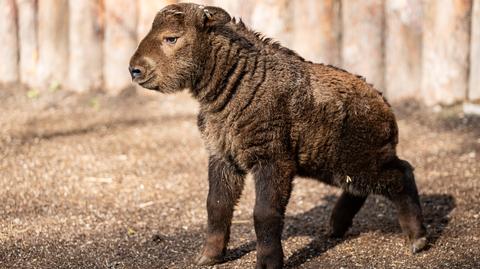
<point x="169" y="57"/>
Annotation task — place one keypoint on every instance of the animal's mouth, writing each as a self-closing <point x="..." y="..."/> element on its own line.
<point x="148" y="83"/>
<point x="146" y="80"/>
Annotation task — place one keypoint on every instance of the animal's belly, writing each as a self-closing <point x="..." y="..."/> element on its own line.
<point x="346" y="149"/>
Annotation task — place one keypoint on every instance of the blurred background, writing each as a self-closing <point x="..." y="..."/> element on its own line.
<point x="423" y="49"/>
<point x="98" y="173"/>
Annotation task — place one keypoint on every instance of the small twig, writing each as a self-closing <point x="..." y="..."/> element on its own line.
<point x="240" y="221"/>
<point x="99" y="179"/>
<point x="146" y="204"/>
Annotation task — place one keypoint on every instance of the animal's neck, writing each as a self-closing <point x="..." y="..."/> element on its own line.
<point x="225" y="67"/>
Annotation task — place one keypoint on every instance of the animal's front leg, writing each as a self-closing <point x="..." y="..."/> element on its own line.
<point x="225" y="187"/>
<point x="273" y="185"/>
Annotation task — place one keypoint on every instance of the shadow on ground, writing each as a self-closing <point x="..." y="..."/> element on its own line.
<point x="83" y="128"/>
<point x="436" y="209"/>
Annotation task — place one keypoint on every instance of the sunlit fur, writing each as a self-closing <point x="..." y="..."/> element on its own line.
<point x="169" y="67"/>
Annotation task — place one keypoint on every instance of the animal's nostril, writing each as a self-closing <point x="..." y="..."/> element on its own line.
<point x="135" y="72"/>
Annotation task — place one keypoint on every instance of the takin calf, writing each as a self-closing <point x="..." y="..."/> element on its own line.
<point x="265" y="110"/>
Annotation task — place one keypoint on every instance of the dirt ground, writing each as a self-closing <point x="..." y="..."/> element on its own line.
<point x="88" y="181"/>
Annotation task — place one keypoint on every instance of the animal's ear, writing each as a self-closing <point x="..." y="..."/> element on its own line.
<point x="170" y="13"/>
<point x="214" y="16"/>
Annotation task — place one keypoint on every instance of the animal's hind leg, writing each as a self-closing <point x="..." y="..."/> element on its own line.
<point x="345" y="209"/>
<point x="407" y="203"/>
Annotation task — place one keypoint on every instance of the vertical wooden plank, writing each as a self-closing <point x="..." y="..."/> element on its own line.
<point x="9" y="72"/>
<point x="363" y="39"/>
<point x="274" y="19"/>
<point x="52" y="42"/>
<point x="147" y="11"/>
<point x="445" y="51"/>
<point x="316" y="30"/>
<point x="120" y="43"/>
<point x="474" y="86"/>
<point x="28" y="45"/>
<point x="403" y="49"/>
<point x="85" y="42"/>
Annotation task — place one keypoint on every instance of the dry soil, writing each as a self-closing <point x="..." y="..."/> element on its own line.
<point x="90" y="181"/>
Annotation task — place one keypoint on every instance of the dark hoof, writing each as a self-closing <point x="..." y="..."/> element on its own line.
<point x="419" y="244"/>
<point x="203" y="260"/>
<point x="337" y="233"/>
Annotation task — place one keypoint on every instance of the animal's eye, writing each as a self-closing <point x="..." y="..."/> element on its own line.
<point x="170" y="40"/>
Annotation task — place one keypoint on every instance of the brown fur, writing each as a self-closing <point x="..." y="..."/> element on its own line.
<point x="265" y="110"/>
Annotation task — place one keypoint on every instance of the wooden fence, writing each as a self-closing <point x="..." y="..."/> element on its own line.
<point x="424" y="49"/>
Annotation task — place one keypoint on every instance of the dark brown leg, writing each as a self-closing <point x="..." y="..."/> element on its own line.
<point x="345" y="209"/>
<point x="225" y="187"/>
<point x="407" y="203"/>
<point x="273" y="185"/>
